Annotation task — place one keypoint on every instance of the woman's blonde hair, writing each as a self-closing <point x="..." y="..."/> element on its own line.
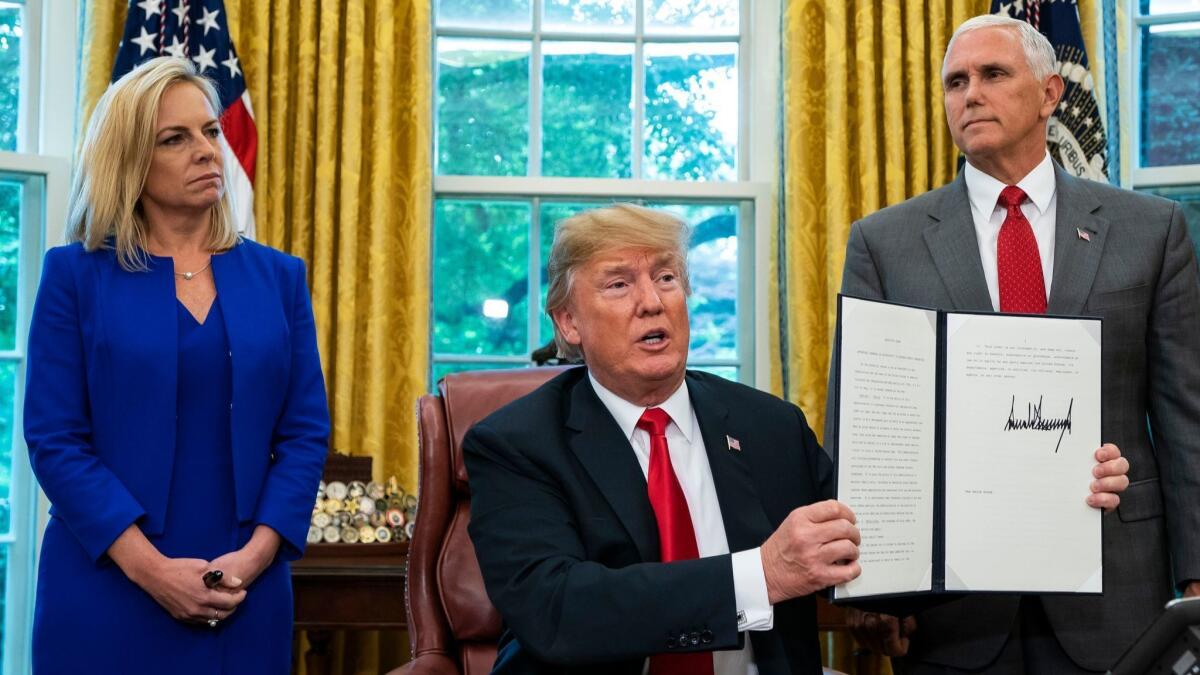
<point x="583" y="236"/>
<point x="103" y="210"/>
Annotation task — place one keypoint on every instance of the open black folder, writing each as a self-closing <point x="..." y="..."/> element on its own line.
<point x="965" y="444"/>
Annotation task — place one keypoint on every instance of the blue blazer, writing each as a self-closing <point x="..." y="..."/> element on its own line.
<point x="102" y="369"/>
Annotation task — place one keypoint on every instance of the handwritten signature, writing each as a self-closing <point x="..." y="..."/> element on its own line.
<point x="1034" y="420"/>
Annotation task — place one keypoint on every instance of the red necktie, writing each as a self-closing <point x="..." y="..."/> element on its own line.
<point x="1018" y="264"/>
<point x="676" y="537"/>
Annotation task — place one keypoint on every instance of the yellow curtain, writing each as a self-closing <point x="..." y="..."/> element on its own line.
<point x="341" y="95"/>
<point x="864" y="128"/>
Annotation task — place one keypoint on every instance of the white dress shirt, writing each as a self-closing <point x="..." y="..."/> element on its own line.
<point x="984" y="192"/>
<point x="690" y="461"/>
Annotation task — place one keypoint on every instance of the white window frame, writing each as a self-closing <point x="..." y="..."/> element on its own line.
<point x="1153" y="176"/>
<point x="757" y="167"/>
<point x="44" y="147"/>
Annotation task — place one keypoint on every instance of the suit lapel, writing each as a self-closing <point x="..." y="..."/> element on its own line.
<point x="746" y="524"/>
<point x="140" y="321"/>
<point x="244" y="318"/>
<point x="955" y="249"/>
<point x="237" y="307"/>
<point x="607" y="457"/>
<point x="1076" y="259"/>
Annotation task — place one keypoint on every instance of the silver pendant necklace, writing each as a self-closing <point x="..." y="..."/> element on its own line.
<point x="187" y="276"/>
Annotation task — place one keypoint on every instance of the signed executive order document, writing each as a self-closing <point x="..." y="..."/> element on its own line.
<point x="965" y="448"/>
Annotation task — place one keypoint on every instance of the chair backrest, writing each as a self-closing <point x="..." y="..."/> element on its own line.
<point x="449" y="614"/>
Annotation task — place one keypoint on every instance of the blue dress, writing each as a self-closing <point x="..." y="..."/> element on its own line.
<point x="106" y="619"/>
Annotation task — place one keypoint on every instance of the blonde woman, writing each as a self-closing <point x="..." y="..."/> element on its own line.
<point x="175" y="409"/>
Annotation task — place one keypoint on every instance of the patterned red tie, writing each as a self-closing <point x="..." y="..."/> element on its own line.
<point x="676" y="538"/>
<point x="1018" y="264"/>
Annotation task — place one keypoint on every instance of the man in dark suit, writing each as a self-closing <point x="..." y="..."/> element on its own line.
<point x="1015" y="233"/>
<point x="631" y="510"/>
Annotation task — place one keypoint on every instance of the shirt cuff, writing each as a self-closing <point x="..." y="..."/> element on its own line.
<point x="754" y="610"/>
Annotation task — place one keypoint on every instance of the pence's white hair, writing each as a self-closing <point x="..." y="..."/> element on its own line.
<point x="1039" y="53"/>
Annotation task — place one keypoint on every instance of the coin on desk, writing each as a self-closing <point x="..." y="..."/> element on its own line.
<point x="336" y="490"/>
<point x="395" y="517"/>
<point x="331" y="535"/>
<point x="322" y="520"/>
<point x="332" y="505"/>
<point x="314" y="534"/>
<point x="366" y="534"/>
<point x="356" y="489"/>
<point x="383" y="535"/>
<point x="375" y="490"/>
<point x="366" y="505"/>
<point x="349" y="535"/>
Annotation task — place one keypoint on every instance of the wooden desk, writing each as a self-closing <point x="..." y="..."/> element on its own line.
<point x="361" y="587"/>
<point x="850" y="657"/>
<point x="347" y="587"/>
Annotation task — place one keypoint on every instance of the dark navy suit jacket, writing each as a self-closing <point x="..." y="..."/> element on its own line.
<point x="100" y="407"/>
<point x="568" y="544"/>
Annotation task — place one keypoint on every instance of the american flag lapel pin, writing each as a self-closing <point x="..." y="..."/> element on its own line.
<point x="733" y="443"/>
<point x="1083" y="235"/>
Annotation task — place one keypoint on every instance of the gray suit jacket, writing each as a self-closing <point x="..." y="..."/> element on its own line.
<point x="1139" y="273"/>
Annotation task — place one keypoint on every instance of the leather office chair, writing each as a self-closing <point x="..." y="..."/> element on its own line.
<point x="452" y="626"/>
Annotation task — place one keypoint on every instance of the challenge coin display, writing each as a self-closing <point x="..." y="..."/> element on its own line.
<point x="355" y="512"/>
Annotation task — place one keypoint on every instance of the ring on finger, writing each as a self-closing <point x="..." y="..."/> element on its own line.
<point x="216" y="618"/>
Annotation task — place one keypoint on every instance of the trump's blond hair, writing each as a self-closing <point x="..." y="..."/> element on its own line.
<point x="581" y="237"/>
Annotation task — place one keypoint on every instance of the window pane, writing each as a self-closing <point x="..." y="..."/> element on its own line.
<point x="727" y="372"/>
<point x="691" y="111"/>
<point x="692" y="16"/>
<point x="503" y="14"/>
<point x="552" y="213"/>
<point x="481" y="277"/>
<point x="10" y="245"/>
<point x="483" y="107"/>
<point x="4" y="553"/>
<point x="586" y="109"/>
<point x="441" y="370"/>
<point x="1189" y="199"/>
<point x="1168" y="6"/>
<point x="10" y="74"/>
<point x="600" y="16"/>
<point x="8" y="375"/>
<point x="713" y="267"/>
<point x="1170" y="95"/>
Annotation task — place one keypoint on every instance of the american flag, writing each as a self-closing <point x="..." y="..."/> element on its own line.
<point x="1075" y="134"/>
<point x="198" y="30"/>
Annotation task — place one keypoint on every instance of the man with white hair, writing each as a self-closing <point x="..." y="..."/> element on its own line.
<point x="1015" y="233"/>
